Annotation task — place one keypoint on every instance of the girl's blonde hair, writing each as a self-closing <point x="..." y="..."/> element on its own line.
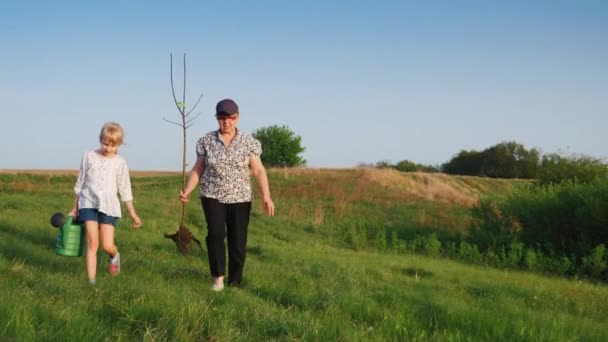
<point x="111" y="133"/>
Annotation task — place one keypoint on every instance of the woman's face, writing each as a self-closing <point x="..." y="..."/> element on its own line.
<point x="227" y="123"/>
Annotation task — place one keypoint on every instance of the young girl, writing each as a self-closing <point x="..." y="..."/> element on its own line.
<point x="103" y="174"/>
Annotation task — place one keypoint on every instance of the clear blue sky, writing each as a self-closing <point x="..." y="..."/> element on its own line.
<point x="360" y="81"/>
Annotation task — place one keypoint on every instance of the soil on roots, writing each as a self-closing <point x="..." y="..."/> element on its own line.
<point x="183" y="240"/>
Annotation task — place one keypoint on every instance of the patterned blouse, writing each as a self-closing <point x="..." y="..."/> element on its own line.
<point x="226" y="172"/>
<point x="99" y="182"/>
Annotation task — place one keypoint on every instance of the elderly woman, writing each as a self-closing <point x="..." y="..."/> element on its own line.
<point x="225" y="157"/>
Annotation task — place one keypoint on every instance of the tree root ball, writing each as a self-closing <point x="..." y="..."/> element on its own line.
<point x="183" y="240"/>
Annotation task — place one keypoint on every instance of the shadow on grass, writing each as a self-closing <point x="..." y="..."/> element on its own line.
<point x="260" y="253"/>
<point x="36" y="248"/>
<point x="187" y="273"/>
<point x="50" y="262"/>
<point x="28" y="235"/>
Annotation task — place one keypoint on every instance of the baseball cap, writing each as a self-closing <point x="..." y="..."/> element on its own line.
<point x="226" y="107"/>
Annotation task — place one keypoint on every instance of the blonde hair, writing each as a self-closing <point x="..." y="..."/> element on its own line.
<point x="111" y="133"/>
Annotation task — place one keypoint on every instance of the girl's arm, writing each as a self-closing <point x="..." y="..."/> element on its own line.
<point x="259" y="172"/>
<point x="78" y="186"/>
<point x="126" y="194"/>
<point x="74" y="211"/>
<point x="131" y="209"/>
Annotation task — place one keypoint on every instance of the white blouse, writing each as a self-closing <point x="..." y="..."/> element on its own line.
<point x="99" y="182"/>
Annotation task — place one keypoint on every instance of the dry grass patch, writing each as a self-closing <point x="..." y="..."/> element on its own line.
<point x="430" y="186"/>
<point x="392" y="184"/>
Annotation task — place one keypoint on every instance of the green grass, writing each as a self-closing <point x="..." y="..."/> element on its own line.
<point x="301" y="281"/>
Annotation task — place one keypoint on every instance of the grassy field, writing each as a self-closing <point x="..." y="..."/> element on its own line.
<point x="303" y="280"/>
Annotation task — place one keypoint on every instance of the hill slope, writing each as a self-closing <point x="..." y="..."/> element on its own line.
<point x="302" y="280"/>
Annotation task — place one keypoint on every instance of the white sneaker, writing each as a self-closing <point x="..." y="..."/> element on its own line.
<point x="218" y="285"/>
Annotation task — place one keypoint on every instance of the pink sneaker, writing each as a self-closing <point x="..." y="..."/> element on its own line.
<point x="115" y="264"/>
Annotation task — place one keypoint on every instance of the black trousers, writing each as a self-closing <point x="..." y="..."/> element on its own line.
<point x="231" y="221"/>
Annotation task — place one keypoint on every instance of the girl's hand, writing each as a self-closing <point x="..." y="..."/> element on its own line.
<point x="73" y="212"/>
<point x="136" y="221"/>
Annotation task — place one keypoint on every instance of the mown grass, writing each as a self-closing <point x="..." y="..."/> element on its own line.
<point x="301" y="281"/>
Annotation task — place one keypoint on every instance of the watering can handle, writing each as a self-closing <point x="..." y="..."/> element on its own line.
<point x="68" y="220"/>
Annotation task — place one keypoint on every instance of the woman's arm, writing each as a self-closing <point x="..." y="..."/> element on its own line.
<point x="195" y="176"/>
<point x="259" y="172"/>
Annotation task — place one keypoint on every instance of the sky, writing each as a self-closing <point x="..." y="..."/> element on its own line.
<point x="359" y="81"/>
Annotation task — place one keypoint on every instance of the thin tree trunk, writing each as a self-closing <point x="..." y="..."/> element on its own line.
<point x="183" y="237"/>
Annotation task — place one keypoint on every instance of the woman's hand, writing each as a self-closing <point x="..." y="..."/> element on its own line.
<point x="195" y="176"/>
<point x="259" y="172"/>
<point x="184" y="197"/>
<point x="269" y="206"/>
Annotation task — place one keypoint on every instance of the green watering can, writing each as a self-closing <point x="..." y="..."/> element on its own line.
<point x="70" y="238"/>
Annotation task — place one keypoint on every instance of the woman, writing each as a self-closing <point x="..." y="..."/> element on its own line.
<point x="224" y="159"/>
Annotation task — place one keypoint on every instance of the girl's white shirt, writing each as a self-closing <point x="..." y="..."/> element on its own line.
<point x="99" y="182"/>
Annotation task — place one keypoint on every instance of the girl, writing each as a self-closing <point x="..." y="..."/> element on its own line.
<point x="103" y="174"/>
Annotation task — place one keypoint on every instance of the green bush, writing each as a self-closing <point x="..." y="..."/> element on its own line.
<point x="496" y="257"/>
<point x="403" y="166"/>
<point x="531" y="260"/>
<point x="281" y="147"/>
<point x="410" y="166"/>
<point x="356" y="238"/>
<point x="431" y="245"/>
<point x="555" y="168"/>
<point x="515" y="255"/>
<point x="469" y="252"/>
<point x="380" y="240"/>
<point x="492" y="228"/>
<point x="596" y="263"/>
<point x="562" y="227"/>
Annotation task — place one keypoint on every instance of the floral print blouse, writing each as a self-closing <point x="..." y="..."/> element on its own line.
<point x="226" y="171"/>
<point x="99" y="182"/>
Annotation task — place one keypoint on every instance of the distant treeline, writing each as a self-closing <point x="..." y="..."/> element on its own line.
<point x="511" y="160"/>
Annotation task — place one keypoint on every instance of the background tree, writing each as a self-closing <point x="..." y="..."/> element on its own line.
<point x="466" y="163"/>
<point x="384" y="164"/>
<point x="409" y="166"/>
<point x="504" y="160"/>
<point x="510" y="160"/>
<point x="281" y="147"/>
<point x="406" y="166"/>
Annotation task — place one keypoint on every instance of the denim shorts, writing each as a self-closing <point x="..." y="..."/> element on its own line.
<point x="90" y="214"/>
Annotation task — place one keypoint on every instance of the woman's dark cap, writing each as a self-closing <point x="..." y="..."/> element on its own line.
<point x="226" y="107"/>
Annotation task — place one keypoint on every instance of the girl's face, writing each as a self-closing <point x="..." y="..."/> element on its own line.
<point x="108" y="149"/>
<point x="227" y="123"/>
